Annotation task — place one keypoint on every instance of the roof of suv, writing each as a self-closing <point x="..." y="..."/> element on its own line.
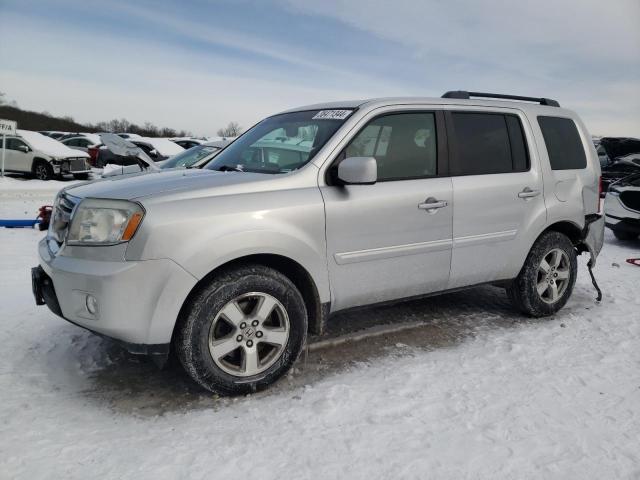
<point x="381" y="102"/>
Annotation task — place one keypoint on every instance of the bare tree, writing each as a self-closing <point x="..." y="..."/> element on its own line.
<point x="233" y="129"/>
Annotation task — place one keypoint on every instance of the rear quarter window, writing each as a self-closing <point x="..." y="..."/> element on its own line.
<point x="563" y="143"/>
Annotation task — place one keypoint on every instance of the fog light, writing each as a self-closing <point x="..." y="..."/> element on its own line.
<point x="92" y="304"/>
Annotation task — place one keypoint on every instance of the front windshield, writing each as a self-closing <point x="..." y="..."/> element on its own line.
<point x="281" y="143"/>
<point x="190" y="156"/>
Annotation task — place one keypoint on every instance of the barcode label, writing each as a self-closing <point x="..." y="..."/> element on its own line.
<point x="331" y="115"/>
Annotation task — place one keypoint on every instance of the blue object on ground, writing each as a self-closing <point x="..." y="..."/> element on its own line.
<point x="19" y="223"/>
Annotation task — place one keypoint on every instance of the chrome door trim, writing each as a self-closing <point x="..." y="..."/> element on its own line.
<point x="391" y="252"/>
<point x="484" y="238"/>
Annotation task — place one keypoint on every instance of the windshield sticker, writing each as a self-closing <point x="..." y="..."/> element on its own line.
<point x="331" y="115"/>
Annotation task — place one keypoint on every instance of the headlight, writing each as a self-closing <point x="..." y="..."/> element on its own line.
<point x="104" y="222"/>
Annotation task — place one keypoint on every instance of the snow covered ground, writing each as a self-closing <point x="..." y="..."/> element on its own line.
<point x="470" y="390"/>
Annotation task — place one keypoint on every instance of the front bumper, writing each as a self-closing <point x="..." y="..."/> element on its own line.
<point x="135" y="302"/>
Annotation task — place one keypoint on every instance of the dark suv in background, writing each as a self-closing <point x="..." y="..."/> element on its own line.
<point x="619" y="157"/>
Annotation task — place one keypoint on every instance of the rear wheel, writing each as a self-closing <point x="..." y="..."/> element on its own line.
<point x="43" y="170"/>
<point x="625" y="236"/>
<point x="546" y="280"/>
<point x="243" y="331"/>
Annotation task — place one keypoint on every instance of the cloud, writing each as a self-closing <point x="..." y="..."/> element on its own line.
<point x="193" y="68"/>
<point x="586" y="53"/>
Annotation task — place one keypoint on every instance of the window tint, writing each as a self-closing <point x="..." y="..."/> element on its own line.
<point x="563" y="143"/>
<point x="482" y="144"/>
<point x="404" y="145"/>
<point x="519" y="156"/>
<point x="13" y="143"/>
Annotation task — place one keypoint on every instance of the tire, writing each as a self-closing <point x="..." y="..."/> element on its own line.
<point x="42" y="170"/>
<point x="625" y="236"/>
<point x="528" y="293"/>
<point x="81" y="176"/>
<point x="211" y="320"/>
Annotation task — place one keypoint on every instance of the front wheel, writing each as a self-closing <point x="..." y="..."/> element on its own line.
<point x="546" y="280"/>
<point x="43" y="170"/>
<point x="242" y="331"/>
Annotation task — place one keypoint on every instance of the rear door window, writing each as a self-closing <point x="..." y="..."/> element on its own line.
<point x="563" y="143"/>
<point x="487" y="143"/>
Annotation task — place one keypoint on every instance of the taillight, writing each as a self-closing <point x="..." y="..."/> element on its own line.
<point x="93" y="155"/>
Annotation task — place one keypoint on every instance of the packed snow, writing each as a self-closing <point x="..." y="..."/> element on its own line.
<point x="470" y="389"/>
<point x="49" y="146"/>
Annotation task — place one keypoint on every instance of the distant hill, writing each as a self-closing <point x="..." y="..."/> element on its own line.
<point x="40" y="121"/>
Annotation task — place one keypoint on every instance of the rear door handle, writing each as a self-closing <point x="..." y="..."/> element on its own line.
<point x="528" y="193"/>
<point x="431" y="204"/>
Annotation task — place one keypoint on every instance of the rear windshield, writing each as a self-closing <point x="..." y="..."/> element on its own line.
<point x="281" y="143"/>
<point x="563" y="143"/>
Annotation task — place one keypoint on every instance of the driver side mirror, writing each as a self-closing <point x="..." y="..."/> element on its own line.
<point x="358" y="171"/>
<point x="23" y="148"/>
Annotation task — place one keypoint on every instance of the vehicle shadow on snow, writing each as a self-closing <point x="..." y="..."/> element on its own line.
<point x="133" y="385"/>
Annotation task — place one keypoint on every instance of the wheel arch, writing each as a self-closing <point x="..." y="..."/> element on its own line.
<point x="36" y="160"/>
<point x="317" y="311"/>
<point x="566" y="227"/>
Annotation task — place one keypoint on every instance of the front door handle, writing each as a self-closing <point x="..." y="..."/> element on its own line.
<point x="528" y="193"/>
<point x="431" y="204"/>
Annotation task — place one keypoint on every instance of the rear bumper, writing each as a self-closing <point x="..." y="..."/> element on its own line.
<point x="136" y="303"/>
<point x="593" y="235"/>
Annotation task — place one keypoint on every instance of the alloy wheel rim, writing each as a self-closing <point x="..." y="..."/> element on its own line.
<point x="249" y="334"/>
<point x="41" y="172"/>
<point x="553" y="276"/>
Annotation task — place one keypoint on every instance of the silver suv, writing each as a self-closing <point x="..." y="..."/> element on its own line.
<point x="319" y="209"/>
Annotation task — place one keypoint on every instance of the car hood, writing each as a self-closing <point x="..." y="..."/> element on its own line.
<point x="618" y="147"/>
<point x="129" y="187"/>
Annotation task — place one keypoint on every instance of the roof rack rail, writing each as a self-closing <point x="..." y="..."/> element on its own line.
<point x="462" y="94"/>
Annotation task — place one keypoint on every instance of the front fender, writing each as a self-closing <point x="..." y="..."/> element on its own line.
<point x="202" y="234"/>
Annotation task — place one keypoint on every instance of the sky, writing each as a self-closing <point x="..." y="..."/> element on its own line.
<point x="197" y="65"/>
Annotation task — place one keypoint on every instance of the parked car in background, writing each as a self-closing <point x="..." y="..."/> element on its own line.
<point x="33" y="153"/>
<point x="88" y="142"/>
<point x="323" y="208"/>
<point x="198" y="155"/>
<point x="53" y="134"/>
<point x="128" y="135"/>
<point x="158" y="149"/>
<point x="83" y="142"/>
<point x="611" y="153"/>
<point x="188" y="142"/>
<point x="73" y="135"/>
<point x="622" y="207"/>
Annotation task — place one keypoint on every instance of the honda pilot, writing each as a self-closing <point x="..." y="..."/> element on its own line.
<point x="323" y="208"/>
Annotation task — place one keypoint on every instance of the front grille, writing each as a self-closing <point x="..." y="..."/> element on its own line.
<point x="60" y="216"/>
<point x="631" y="199"/>
<point x="77" y="165"/>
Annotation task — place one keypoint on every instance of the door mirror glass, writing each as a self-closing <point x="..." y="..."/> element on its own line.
<point x="358" y="170"/>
